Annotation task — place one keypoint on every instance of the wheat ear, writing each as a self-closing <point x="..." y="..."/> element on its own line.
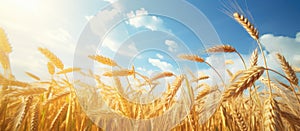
<point x="103" y="60"/>
<point x="252" y="31"/>
<point x="26" y="92"/>
<point x="56" y="97"/>
<point x="271" y="115"/>
<point x="34" y="118"/>
<point x="162" y="75"/>
<point x="246" y="80"/>
<point x="221" y="48"/>
<point x="23" y="112"/>
<point x="53" y="58"/>
<point x="288" y="70"/>
<point x="60" y="113"/>
<point x="51" y="68"/>
<point x="199" y="59"/>
<point x="68" y="70"/>
<point x="4" y="44"/>
<point x="195" y="58"/>
<point x="239" y="120"/>
<point x="254" y="58"/>
<point x="32" y="76"/>
<point x="226" y="49"/>
<point x="200" y="78"/>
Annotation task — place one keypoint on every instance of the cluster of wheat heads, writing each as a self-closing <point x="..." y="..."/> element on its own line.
<point x="51" y="104"/>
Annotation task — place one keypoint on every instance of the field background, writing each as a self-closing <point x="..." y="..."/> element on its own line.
<point x="257" y="87"/>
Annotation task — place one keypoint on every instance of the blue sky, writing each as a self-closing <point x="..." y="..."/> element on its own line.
<point x="58" y="25"/>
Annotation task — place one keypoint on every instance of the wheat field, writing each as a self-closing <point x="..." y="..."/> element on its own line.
<point x="251" y="100"/>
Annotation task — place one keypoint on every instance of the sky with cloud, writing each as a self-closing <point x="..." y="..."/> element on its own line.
<point x="148" y="40"/>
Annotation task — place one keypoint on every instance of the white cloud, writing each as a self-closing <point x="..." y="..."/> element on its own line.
<point x="101" y="21"/>
<point x="60" y="34"/>
<point x="298" y="37"/>
<point x="172" y="45"/>
<point x="110" y="1"/>
<point x="160" y="56"/>
<point x="149" y="72"/>
<point x="139" y="19"/>
<point x="287" y="46"/>
<point x="88" y="18"/>
<point x="141" y="69"/>
<point x="162" y="65"/>
<point x="115" y="46"/>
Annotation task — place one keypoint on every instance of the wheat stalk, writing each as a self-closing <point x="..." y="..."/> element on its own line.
<point x="229" y="73"/>
<point x="284" y="85"/>
<point x="56" y="97"/>
<point x="200" y="60"/>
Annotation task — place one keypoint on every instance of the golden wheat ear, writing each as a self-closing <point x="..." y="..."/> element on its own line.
<point x="247" y="79"/>
<point x="221" y="48"/>
<point x="288" y="70"/>
<point x="271" y="115"/>
<point x="53" y="58"/>
<point x="248" y="26"/>
<point x="103" y="60"/>
<point x="192" y="57"/>
<point x="4" y="44"/>
<point x="254" y="58"/>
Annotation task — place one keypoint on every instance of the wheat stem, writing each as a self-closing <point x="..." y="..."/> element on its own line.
<point x="266" y="65"/>
<point x="293" y="88"/>
<point x="223" y="82"/>
<point x="243" y="61"/>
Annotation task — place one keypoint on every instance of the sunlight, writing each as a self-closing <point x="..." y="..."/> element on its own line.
<point x="27" y="5"/>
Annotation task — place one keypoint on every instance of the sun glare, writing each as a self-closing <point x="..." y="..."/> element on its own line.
<point x="27" y="5"/>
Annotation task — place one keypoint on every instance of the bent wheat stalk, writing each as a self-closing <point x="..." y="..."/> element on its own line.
<point x="253" y="32"/>
<point x="199" y="59"/>
<point x="226" y="49"/>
